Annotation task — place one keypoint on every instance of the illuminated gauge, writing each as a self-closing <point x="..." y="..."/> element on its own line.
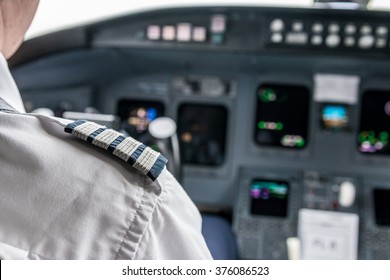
<point x="282" y="116"/>
<point x="373" y="136"/>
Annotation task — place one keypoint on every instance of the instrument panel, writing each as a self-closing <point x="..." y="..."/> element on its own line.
<point x="269" y="121"/>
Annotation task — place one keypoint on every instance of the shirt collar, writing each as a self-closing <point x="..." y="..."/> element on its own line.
<point x="8" y="90"/>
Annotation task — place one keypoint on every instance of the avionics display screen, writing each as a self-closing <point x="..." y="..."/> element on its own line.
<point x="374" y="129"/>
<point x="269" y="198"/>
<point x="382" y="207"/>
<point x="136" y="115"/>
<point x="335" y="116"/>
<point x="282" y="116"/>
<point x="202" y="133"/>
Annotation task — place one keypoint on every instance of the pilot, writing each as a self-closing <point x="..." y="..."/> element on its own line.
<point x="77" y="190"/>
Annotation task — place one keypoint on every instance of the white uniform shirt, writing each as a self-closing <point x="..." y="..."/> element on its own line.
<point x="62" y="198"/>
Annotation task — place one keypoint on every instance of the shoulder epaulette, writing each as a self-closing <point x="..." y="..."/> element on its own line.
<point x="142" y="158"/>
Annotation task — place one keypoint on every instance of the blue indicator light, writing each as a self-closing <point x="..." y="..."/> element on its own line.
<point x="151" y="114"/>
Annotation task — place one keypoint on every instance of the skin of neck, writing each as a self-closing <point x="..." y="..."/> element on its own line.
<point x="15" y="18"/>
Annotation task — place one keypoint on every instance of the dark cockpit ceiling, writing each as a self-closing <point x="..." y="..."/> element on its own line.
<point x="292" y="99"/>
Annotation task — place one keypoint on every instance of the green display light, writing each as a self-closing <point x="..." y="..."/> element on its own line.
<point x="279" y="126"/>
<point x="267" y="95"/>
<point x="384" y="135"/>
<point x="261" y="125"/>
<point x="362" y="138"/>
<point x="300" y="143"/>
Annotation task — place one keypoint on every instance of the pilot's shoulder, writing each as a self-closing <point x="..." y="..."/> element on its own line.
<point x="142" y="158"/>
<point x="81" y="147"/>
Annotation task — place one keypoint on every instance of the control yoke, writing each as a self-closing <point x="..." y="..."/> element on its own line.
<point x="163" y="130"/>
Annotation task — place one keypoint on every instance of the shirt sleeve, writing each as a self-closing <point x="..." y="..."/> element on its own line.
<point x="174" y="231"/>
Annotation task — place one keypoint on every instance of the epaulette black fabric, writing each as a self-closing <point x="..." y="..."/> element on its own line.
<point x="142" y="158"/>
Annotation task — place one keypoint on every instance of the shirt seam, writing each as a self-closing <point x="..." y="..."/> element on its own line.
<point x="159" y="201"/>
<point x="131" y="224"/>
<point x="147" y="184"/>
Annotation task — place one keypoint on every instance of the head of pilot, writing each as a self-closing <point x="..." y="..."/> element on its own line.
<point x="15" y="18"/>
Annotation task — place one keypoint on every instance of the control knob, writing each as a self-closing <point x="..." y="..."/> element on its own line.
<point x="347" y="194"/>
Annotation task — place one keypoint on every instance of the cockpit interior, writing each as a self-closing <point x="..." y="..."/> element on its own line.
<point x="275" y="120"/>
